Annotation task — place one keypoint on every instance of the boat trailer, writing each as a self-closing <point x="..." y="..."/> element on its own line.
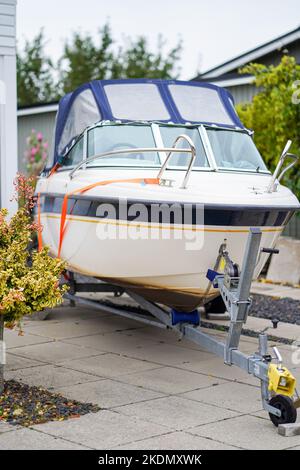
<point x="278" y="386"/>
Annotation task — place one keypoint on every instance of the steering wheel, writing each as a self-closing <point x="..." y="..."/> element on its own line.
<point x="126" y="145"/>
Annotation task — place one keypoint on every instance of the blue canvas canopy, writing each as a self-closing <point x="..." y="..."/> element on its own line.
<point x="147" y="100"/>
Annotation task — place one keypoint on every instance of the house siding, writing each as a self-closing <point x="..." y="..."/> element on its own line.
<point x="44" y="123"/>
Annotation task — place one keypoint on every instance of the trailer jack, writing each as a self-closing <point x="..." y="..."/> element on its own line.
<point x="278" y="385"/>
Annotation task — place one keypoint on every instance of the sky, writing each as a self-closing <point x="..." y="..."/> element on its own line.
<point x="212" y="31"/>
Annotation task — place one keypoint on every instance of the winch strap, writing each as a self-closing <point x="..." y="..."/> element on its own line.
<point x="39" y="232"/>
<point x="64" y="209"/>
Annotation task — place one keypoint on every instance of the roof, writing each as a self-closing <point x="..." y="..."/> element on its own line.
<point x="143" y="100"/>
<point x="254" y="54"/>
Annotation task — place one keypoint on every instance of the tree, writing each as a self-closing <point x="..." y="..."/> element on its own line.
<point x="35" y="74"/>
<point x="29" y="282"/>
<point x="83" y="60"/>
<point x="137" y="61"/>
<point x="274" y="114"/>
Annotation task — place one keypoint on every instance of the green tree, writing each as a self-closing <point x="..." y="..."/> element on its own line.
<point x="84" y="60"/>
<point x="35" y="74"/>
<point x="136" y="60"/>
<point x="274" y="114"/>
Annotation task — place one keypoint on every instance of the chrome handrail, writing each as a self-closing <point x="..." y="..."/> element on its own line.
<point x="272" y="186"/>
<point x="192" y="151"/>
<point x="170" y="151"/>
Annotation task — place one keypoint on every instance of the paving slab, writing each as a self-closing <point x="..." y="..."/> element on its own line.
<point x="275" y="290"/>
<point x="5" y="427"/>
<point x="116" y="343"/>
<point x="215" y="367"/>
<point x="177" y="413"/>
<point x="54" y="352"/>
<point x="29" y="439"/>
<point x="139" y="348"/>
<point x="103" y="430"/>
<point x="108" y="393"/>
<point x="14" y="340"/>
<point x="247" y="432"/>
<point x="170" y="380"/>
<point x="73" y="329"/>
<point x="50" y="376"/>
<point x="174" y="441"/>
<point x="230" y="396"/>
<point x="109" y="365"/>
<point x="14" y="362"/>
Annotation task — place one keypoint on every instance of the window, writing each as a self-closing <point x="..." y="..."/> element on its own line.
<point x="117" y="137"/>
<point x="75" y="155"/>
<point x="136" y="102"/>
<point x="199" y="104"/>
<point x="83" y="113"/>
<point x="169" y="134"/>
<point x="235" y="150"/>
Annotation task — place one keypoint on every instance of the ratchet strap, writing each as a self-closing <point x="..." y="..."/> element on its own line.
<point x="39" y="231"/>
<point x="64" y="210"/>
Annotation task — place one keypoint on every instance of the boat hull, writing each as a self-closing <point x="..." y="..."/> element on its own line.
<point x="170" y="270"/>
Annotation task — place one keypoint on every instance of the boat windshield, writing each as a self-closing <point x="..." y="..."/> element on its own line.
<point x="169" y="135"/>
<point x="235" y="150"/>
<point x="116" y="137"/>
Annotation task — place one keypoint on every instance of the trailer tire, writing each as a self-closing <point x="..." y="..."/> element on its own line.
<point x="287" y="408"/>
<point x="215" y="306"/>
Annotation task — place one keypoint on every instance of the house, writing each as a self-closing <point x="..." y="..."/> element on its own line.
<point x="8" y="103"/>
<point x="240" y="85"/>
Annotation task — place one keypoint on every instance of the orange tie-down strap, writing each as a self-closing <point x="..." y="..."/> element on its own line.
<point x="63" y="224"/>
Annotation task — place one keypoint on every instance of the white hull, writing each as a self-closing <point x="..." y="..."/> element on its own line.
<point x="171" y="270"/>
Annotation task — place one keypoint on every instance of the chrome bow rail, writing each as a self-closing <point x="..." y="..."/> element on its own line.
<point x="275" y="180"/>
<point x="169" y="150"/>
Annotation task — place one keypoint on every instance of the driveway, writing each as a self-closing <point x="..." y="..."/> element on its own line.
<point x="155" y="392"/>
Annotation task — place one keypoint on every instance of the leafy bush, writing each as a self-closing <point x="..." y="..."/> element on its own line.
<point x="273" y="113"/>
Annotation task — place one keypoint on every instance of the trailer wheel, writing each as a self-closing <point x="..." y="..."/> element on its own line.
<point x="215" y="306"/>
<point x="287" y="408"/>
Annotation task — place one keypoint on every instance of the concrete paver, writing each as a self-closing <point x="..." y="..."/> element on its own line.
<point x="108" y="393"/>
<point x="54" y="352"/>
<point x="14" y="362"/>
<point x="177" y="413"/>
<point x="170" y="380"/>
<point x="103" y="430"/>
<point x="231" y="396"/>
<point x="109" y="365"/>
<point x="50" y="376"/>
<point x="5" y="427"/>
<point x="29" y="439"/>
<point x="247" y="432"/>
<point x="174" y="441"/>
<point x="155" y="392"/>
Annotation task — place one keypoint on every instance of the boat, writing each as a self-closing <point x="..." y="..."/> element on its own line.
<point x="148" y="179"/>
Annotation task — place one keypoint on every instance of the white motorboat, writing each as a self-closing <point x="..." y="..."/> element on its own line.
<point x="148" y="179"/>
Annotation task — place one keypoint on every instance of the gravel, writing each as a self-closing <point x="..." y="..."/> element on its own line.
<point x="21" y="404"/>
<point x="286" y="310"/>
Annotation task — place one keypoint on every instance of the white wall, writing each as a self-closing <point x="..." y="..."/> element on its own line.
<point x="8" y="103"/>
